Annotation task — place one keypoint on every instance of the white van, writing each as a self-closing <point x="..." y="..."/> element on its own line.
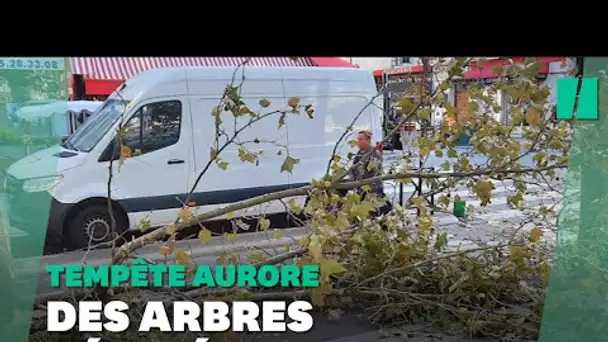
<point x="154" y="184"/>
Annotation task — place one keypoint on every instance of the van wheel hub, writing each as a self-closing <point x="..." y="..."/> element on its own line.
<point x="97" y="230"/>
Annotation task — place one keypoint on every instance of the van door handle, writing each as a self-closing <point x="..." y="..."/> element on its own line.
<point x="175" y="161"/>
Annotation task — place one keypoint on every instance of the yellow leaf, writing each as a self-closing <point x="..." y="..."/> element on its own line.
<point x="182" y="256"/>
<point x="352" y="143"/>
<point x="246" y="156"/>
<point x="125" y="153"/>
<point x="362" y="209"/>
<point x="533" y="117"/>
<point x="294" y="207"/>
<point x="317" y="297"/>
<point x="293" y="102"/>
<point x="278" y="233"/>
<point x="418" y="201"/>
<point x="536" y="234"/>
<point x="264" y="223"/>
<point x="185" y="214"/>
<point x="171" y="229"/>
<point x="204" y="235"/>
<point x="329" y="267"/>
<point x="288" y="164"/>
<point x="315" y="249"/>
<point x="256" y="257"/>
<point x="222" y="165"/>
<point x="245" y="110"/>
<point x="231" y="236"/>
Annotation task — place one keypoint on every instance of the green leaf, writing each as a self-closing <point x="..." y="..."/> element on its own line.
<point x="294" y="207"/>
<point x="145" y="225"/>
<point x="222" y="165"/>
<point x="418" y="201"/>
<point x="406" y="105"/>
<point x="540" y="156"/>
<point x="425" y="114"/>
<point x="264" y="103"/>
<point x="446" y="165"/>
<point x="452" y="153"/>
<point x="442" y="241"/>
<point x="515" y="200"/>
<point x="246" y="156"/>
<point x="362" y="209"/>
<point x="330" y="267"/>
<point x="289" y="164"/>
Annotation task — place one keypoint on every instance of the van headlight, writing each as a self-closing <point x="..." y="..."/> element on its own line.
<point x="41" y="184"/>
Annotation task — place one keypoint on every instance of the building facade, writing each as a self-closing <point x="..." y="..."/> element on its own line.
<point x="370" y="63"/>
<point x="379" y="63"/>
<point x="403" y="70"/>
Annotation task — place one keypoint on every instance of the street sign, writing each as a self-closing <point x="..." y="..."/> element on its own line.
<point x="587" y="99"/>
<point x="36" y="63"/>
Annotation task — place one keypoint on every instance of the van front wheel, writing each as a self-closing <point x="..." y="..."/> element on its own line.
<point x="92" y="226"/>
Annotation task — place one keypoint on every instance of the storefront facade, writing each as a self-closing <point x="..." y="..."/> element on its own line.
<point x="484" y="76"/>
<point x="398" y="81"/>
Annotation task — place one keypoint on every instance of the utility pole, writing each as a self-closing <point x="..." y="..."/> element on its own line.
<point x="424" y="123"/>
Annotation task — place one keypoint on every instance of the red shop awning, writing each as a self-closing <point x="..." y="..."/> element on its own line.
<point x="104" y="74"/>
<point x="485" y="70"/>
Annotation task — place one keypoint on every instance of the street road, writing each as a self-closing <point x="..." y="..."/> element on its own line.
<point x="485" y="225"/>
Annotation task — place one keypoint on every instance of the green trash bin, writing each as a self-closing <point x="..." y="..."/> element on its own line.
<point x="460" y="208"/>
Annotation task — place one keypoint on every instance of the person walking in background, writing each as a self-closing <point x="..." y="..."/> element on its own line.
<point x="369" y="168"/>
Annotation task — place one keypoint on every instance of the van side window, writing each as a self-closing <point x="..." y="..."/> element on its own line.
<point x="154" y="126"/>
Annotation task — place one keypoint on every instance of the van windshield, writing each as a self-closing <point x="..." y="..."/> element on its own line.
<point x="96" y="126"/>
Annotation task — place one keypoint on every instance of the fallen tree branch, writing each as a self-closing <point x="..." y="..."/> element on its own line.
<point x="126" y="249"/>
